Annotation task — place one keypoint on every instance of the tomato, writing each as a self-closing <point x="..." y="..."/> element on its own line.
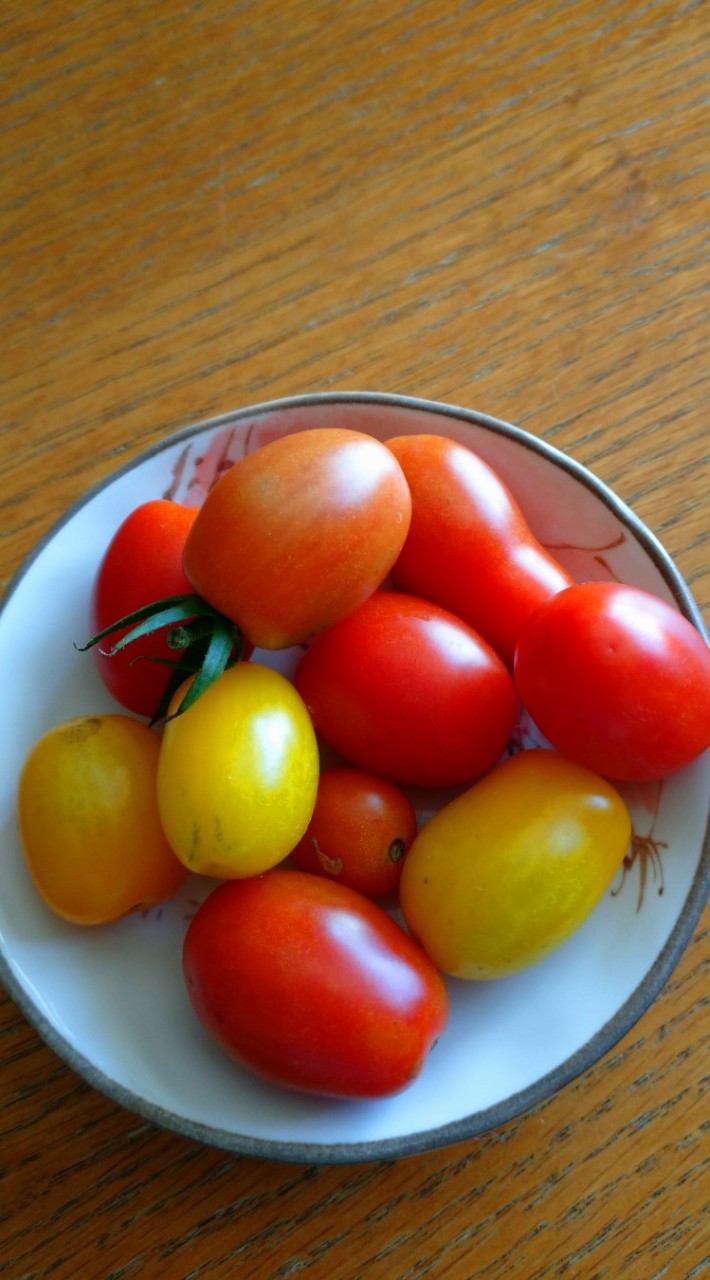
<point x="361" y="829"/>
<point x="238" y="774"/>
<point x="508" y="870"/>
<point x="469" y="547"/>
<point x="297" y="534"/>
<point x="88" y="820"/>
<point x="617" y="680"/>
<point x="403" y="689"/>
<point x="312" y="986"/>
<point x="142" y="563"/>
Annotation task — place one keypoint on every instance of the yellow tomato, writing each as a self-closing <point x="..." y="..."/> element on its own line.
<point x="238" y="774"/>
<point x="511" y="868"/>
<point x="89" y="823"/>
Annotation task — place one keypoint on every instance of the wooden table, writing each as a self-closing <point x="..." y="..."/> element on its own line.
<point x="502" y="206"/>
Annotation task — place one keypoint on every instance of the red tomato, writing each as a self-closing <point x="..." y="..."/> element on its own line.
<point x="469" y="547"/>
<point x="312" y="986"/>
<point x="361" y="829"/>
<point x="143" y="563"/>
<point x="407" y="691"/>
<point x="617" y="680"/>
<point x="296" y="535"/>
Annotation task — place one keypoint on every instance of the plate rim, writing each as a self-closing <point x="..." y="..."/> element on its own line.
<point x="598" y="1045"/>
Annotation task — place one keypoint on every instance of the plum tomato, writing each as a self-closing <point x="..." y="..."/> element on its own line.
<point x="89" y="823"/>
<point x="299" y="533"/>
<point x="405" y="690"/>
<point x="507" y="871"/>
<point x="617" y="680"/>
<point x="361" y="829"/>
<point x="469" y="547"/>
<point x="238" y="773"/>
<point x="142" y="564"/>
<point x="312" y="986"/>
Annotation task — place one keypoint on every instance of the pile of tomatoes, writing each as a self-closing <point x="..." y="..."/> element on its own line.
<point x="426" y="614"/>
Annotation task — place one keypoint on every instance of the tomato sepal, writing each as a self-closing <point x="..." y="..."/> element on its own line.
<point x="206" y="640"/>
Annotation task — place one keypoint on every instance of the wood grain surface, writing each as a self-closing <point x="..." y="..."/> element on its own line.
<point x="503" y="206"/>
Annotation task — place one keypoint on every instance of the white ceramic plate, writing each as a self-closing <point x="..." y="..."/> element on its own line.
<point x="110" y="1001"/>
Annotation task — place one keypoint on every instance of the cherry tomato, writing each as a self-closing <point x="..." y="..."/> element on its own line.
<point x="469" y="547"/>
<point x="360" y="831"/>
<point x="617" y="680"/>
<point x="403" y="689"/>
<point x="297" y="534"/>
<point x="508" y="870"/>
<point x="312" y="986"/>
<point x="89" y="822"/>
<point x="142" y="563"/>
<point x="238" y="774"/>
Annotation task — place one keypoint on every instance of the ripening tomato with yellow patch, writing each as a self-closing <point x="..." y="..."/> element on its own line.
<point x="510" y="869"/>
<point x="296" y="535"/>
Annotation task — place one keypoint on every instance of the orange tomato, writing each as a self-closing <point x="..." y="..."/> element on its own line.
<point x="298" y="534"/>
<point x="88" y="818"/>
<point x="510" y="869"/>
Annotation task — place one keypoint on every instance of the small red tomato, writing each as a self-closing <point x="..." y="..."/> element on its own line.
<point x="142" y="564"/>
<point x="617" y="680"/>
<point x="361" y="829"/>
<point x="403" y="689"/>
<point x="469" y="547"/>
<point x="297" y="534"/>
<point x="312" y="986"/>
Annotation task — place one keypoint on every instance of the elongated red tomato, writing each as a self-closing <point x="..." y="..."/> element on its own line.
<point x="298" y="534"/>
<point x="469" y="547"/>
<point x="142" y="563"/>
<point x="617" y="680"/>
<point x="312" y="986"/>
<point x="405" y="690"/>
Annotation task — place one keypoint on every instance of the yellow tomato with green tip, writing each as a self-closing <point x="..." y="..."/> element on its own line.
<point x="238" y="773"/>
<point x="510" y="869"/>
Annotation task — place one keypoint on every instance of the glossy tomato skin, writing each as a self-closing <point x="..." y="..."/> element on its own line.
<point x="360" y="831"/>
<point x="403" y="689"/>
<point x="617" y="680"/>
<point x="89" y="821"/>
<point x="297" y="534"/>
<point x="508" y="870"/>
<point x="142" y="564"/>
<point x="238" y="774"/>
<point x="312" y="986"/>
<point x="469" y="547"/>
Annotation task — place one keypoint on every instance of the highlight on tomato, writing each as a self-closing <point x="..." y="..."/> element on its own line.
<point x="405" y="690"/>
<point x="509" y="870"/>
<point x="88" y="819"/>
<point x="469" y="547"/>
<point x="238" y="773"/>
<point x="617" y="680"/>
<point x="312" y="986"/>
<point x="360" y="831"/>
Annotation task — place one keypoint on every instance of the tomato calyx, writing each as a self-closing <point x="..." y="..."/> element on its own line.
<point x="204" y="641"/>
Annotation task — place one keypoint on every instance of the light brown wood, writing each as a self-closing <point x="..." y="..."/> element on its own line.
<point x="501" y="206"/>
